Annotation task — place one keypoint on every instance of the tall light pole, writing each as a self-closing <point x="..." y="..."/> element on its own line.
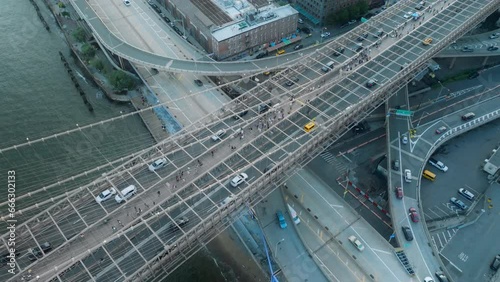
<point x="277" y="243"/>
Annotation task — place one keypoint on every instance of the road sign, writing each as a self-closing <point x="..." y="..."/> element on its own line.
<point x="404" y="113"/>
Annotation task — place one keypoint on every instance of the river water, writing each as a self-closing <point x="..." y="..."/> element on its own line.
<point x="38" y="99"/>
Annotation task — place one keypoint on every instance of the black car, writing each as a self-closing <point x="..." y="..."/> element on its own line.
<point x="263" y="108"/>
<point x="240" y="115"/>
<point x="198" y="82"/>
<point x="36" y="253"/>
<point x="339" y="51"/>
<point x="261" y="55"/>
<point x="407" y="233"/>
<point x="492" y="48"/>
<point x="306" y="30"/>
<point x="467" y="49"/>
<point x="298" y="47"/>
<point x="165" y="18"/>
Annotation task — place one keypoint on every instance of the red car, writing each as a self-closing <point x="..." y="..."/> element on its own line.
<point x="414" y="215"/>
<point x="399" y="192"/>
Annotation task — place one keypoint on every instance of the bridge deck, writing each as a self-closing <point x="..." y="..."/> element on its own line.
<point x="158" y="228"/>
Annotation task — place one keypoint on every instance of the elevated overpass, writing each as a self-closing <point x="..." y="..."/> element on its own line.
<point x="87" y="248"/>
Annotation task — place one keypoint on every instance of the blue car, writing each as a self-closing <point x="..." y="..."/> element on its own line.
<point x="281" y="219"/>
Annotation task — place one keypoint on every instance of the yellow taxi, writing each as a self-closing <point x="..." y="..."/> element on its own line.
<point x="280" y="52"/>
<point x="267" y="73"/>
<point x="309" y="126"/>
<point x="427" y="41"/>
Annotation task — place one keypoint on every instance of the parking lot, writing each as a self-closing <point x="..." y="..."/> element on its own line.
<point x="464" y="156"/>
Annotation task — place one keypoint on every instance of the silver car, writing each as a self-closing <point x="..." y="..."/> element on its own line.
<point x="218" y="135"/>
<point x="159" y="163"/>
<point x="105" y="195"/>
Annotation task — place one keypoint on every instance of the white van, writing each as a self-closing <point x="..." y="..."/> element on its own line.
<point x="407" y="175"/>
<point x="328" y="66"/>
<point x="126" y="194"/>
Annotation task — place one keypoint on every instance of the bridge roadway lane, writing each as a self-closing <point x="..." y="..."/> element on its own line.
<point x="326" y="106"/>
<point x="332" y="212"/>
<point x="479" y="42"/>
<point x="413" y="156"/>
<point x="272" y="90"/>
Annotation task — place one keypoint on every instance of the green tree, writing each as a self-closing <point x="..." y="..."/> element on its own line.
<point x="88" y="51"/>
<point x="98" y="64"/>
<point x="364" y="6"/>
<point x="339" y="17"/>
<point x="121" y="81"/>
<point x="353" y="11"/>
<point x="79" y="35"/>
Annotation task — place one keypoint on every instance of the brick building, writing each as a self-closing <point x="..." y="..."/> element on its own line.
<point x="228" y="28"/>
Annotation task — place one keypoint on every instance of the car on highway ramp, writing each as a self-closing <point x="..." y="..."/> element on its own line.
<point x="281" y="219"/>
<point x="441" y="129"/>
<point x="356" y="243"/>
<point x="414" y="215"/>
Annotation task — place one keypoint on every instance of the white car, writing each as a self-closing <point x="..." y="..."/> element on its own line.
<point x="356" y="243"/>
<point x="495" y="35"/>
<point x="428" y="279"/>
<point x="218" y="135"/>
<point x="238" y="179"/>
<point x="159" y="163"/>
<point x="404" y="139"/>
<point x="105" y="195"/>
<point x="407" y="15"/>
<point x="325" y="34"/>
<point x="126" y="2"/>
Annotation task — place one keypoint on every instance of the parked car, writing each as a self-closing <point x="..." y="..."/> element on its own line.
<point x="399" y="192"/>
<point x="352" y="22"/>
<point x="159" y="163"/>
<point x="466" y="193"/>
<point x="281" y="219"/>
<point x="301" y="21"/>
<point x="356" y="243"/>
<point x="495" y="35"/>
<point x="261" y="55"/>
<point x="238" y="179"/>
<point x="165" y="18"/>
<point x="414" y="215"/>
<point x="218" y="135"/>
<point x="441" y="129"/>
<point x="325" y="34"/>
<point x="467" y="49"/>
<point x="105" y="195"/>
<point x="458" y="203"/>
<point x="126" y="2"/>
<point x="492" y="48"/>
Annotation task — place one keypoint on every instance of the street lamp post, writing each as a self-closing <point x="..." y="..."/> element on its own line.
<point x="277" y="243"/>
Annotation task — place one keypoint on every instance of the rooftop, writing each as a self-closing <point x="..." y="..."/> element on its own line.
<point x="253" y="20"/>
